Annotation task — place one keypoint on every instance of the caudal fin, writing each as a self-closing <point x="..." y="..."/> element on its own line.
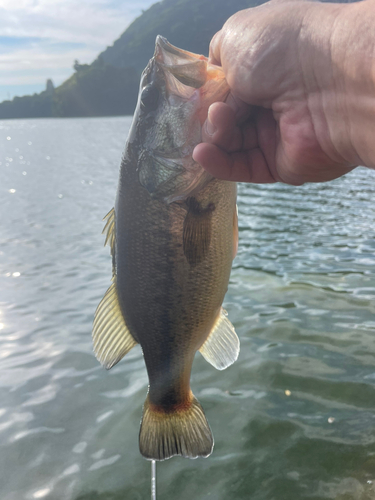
<point x="183" y="432"/>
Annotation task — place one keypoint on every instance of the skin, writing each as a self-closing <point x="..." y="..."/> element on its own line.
<point x="302" y="101"/>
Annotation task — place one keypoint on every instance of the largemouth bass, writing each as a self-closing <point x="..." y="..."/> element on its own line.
<point x="173" y="235"/>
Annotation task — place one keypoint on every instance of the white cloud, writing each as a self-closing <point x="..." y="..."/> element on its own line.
<point x="50" y="34"/>
<point x="35" y="65"/>
<point x="96" y="22"/>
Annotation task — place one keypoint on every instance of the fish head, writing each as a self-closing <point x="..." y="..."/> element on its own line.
<point x="176" y="89"/>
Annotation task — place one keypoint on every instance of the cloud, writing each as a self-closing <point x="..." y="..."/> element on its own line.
<point x="42" y="38"/>
<point x="35" y="65"/>
<point x="36" y="62"/>
<point x="95" y="22"/>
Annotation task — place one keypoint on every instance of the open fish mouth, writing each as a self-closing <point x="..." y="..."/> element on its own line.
<point x="192" y="70"/>
<point x="188" y="68"/>
<point x="176" y="91"/>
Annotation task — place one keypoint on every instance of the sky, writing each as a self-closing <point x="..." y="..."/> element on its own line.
<point x="40" y="39"/>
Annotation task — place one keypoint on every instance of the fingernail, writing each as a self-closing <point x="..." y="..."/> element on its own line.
<point x="210" y="127"/>
<point x="194" y="155"/>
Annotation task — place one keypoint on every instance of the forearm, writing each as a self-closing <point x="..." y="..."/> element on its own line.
<point x="344" y="72"/>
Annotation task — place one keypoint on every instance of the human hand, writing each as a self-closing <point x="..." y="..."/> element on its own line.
<point x="291" y="115"/>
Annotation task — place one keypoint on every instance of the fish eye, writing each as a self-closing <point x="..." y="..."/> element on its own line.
<point x="149" y="97"/>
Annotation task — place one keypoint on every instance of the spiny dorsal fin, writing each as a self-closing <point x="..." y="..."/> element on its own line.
<point x="222" y="347"/>
<point x="109" y="229"/>
<point x="111" y="337"/>
<point x="183" y="432"/>
<point x="197" y="231"/>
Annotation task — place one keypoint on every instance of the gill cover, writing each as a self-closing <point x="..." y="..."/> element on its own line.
<point x="179" y="88"/>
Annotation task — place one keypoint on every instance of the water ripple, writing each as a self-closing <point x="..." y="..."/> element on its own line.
<point x="293" y="418"/>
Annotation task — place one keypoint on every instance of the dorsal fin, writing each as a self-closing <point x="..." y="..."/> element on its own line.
<point x="110" y="235"/>
<point x="111" y="337"/>
<point x="222" y="346"/>
<point x="109" y="228"/>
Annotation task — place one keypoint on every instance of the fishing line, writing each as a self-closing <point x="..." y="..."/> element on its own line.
<point x="153" y="480"/>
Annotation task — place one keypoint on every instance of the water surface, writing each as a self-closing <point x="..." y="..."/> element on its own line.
<point x="293" y="418"/>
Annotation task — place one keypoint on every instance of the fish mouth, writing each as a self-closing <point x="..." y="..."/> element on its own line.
<point x="165" y="49"/>
<point x="188" y="68"/>
<point x="191" y="70"/>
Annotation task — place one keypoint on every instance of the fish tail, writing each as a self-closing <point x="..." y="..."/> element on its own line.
<point x="183" y="431"/>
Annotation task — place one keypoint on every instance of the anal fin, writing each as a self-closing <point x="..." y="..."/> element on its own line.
<point x="222" y="346"/>
<point x="111" y="337"/>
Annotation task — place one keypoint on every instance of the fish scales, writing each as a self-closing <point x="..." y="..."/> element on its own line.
<point x="173" y="238"/>
<point x="168" y="303"/>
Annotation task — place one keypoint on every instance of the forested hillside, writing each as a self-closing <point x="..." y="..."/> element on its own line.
<point x="109" y="85"/>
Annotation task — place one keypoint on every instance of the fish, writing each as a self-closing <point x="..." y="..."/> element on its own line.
<point x="173" y="234"/>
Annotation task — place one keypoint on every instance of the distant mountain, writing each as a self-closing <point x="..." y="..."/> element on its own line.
<point x="109" y="85"/>
<point x="188" y="24"/>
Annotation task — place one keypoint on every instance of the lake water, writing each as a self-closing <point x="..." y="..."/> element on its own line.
<point x="293" y="418"/>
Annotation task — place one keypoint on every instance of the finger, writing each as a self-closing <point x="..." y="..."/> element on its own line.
<point x="214" y="51"/>
<point x="244" y="166"/>
<point x="220" y="128"/>
<point x="267" y="131"/>
<point x="241" y="109"/>
<point x="249" y="136"/>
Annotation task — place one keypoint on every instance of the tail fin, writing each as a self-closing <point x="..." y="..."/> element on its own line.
<point x="183" y="432"/>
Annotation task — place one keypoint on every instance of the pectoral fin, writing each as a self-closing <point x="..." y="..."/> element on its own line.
<point x="222" y="347"/>
<point x="197" y="231"/>
<point x="111" y="337"/>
